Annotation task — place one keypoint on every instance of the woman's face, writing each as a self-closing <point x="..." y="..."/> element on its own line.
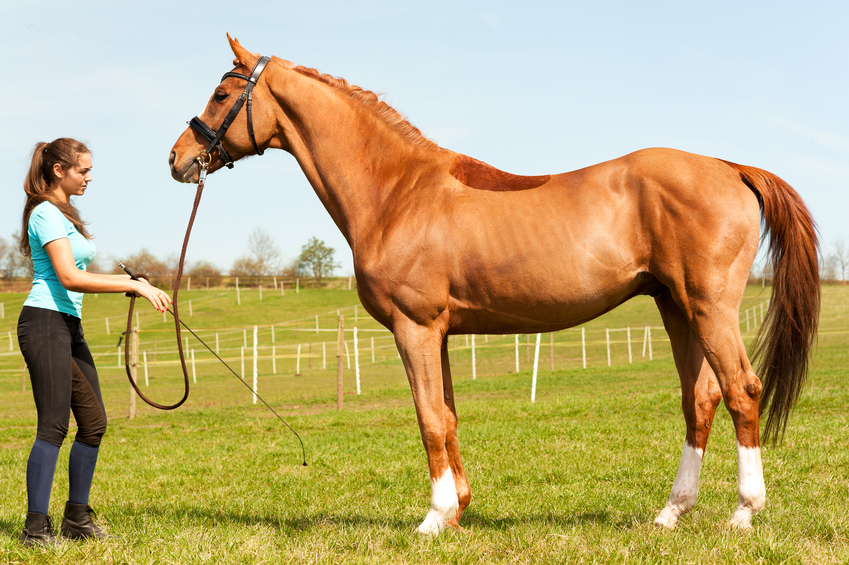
<point x="74" y="181"/>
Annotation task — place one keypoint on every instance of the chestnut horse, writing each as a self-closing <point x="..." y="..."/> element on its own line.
<point x="445" y="244"/>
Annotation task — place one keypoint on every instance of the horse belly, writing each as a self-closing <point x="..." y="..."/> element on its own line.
<point x="524" y="298"/>
<point x="544" y="260"/>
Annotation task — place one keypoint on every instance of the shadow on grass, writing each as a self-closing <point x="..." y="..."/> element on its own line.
<point x="472" y="520"/>
<point x="11" y="528"/>
<point x="206" y="516"/>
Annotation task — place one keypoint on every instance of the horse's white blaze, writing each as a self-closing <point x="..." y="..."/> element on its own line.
<point x="443" y="504"/>
<point x="685" y="489"/>
<point x="751" y="493"/>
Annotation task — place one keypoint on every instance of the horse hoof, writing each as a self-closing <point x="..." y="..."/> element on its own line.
<point x="742" y="519"/>
<point x="430" y="526"/>
<point x="668" y="518"/>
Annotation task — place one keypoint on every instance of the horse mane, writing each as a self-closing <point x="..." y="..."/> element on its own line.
<point x="368" y="99"/>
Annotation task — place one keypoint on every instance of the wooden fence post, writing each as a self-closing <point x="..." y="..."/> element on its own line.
<point x="648" y="329"/>
<point x="298" y="362"/>
<point x="536" y="366"/>
<point x="356" y="359"/>
<point x="340" y="362"/>
<point x="551" y="347"/>
<point x="255" y="362"/>
<point x="517" y="353"/>
<point x="584" y="346"/>
<point x="134" y="362"/>
<point x="474" y="361"/>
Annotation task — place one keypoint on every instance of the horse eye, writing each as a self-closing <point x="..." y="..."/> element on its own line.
<point x="221" y="96"/>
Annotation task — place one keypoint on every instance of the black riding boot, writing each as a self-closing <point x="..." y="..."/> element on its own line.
<point x="79" y="525"/>
<point x="38" y="530"/>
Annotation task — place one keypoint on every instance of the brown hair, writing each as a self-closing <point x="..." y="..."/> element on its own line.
<point x="66" y="153"/>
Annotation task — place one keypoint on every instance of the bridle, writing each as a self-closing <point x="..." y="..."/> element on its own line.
<point x="214" y="137"/>
<point x="203" y="160"/>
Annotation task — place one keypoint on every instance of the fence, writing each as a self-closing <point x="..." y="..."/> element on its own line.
<point x="484" y="354"/>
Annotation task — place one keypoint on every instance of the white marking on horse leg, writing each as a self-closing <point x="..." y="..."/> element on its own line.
<point x="443" y="504"/>
<point x="751" y="493"/>
<point x="685" y="489"/>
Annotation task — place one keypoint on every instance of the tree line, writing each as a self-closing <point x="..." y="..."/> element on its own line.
<point x="833" y="260"/>
<point x="262" y="259"/>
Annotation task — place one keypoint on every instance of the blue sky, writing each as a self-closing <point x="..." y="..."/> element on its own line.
<point x="530" y="87"/>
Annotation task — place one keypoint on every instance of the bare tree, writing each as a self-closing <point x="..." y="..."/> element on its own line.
<point x="15" y="263"/>
<point x="3" y="248"/>
<point x="828" y="268"/>
<point x="264" y="251"/>
<point x="145" y="262"/>
<point x="841" y="257"/>
<point x="317" y="258"/>
<point x="205" y="270"/>
<point x="246" y="267"/>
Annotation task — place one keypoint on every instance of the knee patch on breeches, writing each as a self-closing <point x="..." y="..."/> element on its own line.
<point x="88" y="409"/>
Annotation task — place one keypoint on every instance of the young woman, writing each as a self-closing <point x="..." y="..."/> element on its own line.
<point x="51" y="337"/>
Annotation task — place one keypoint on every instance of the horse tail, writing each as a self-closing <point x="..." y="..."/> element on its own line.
<point x="784" y="341"/>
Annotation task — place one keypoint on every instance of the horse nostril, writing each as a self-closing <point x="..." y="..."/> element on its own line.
<point x="172" y="158"/>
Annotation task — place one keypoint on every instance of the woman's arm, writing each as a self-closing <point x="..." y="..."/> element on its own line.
<point x="73" y="279"/>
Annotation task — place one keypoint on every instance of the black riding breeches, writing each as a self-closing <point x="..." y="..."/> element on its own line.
<point x="63" y="376"/>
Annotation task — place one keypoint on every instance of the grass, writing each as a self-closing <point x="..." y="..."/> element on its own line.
<point x="576" y="477"/>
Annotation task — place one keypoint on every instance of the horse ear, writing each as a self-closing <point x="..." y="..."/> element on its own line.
<point x="243" y="56"/>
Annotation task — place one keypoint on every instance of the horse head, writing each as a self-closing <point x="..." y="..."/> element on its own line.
<point x="247" y="133"/>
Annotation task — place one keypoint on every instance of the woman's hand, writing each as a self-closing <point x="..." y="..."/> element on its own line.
<point x="159" y="299"/>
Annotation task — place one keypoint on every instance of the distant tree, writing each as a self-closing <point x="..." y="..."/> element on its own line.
<point x="246" y="267"/>
<point x="3" y="249"/>
<point x="264" y="251"/>
<point x="263" y="257"/>
<point x="289" y="269"/>
<point x="317" y="259"/>
<point x="840" y="255"/>
<point x="204" y="269"/>
<point x="145" y="262"/>
<point x="17" y="265"/>
<point x="828" y="268"/>
<point x="95" y="266"/>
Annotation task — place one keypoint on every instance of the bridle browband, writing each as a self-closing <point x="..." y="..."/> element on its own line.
<point x="214" y="137"/>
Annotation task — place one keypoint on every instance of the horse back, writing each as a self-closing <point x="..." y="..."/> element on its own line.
<point x="563" y="252"/>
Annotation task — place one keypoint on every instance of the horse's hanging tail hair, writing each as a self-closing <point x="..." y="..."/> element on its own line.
<point x="785" y="339"/>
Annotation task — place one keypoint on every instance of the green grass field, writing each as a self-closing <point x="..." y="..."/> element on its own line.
<point x="576" y="477"/>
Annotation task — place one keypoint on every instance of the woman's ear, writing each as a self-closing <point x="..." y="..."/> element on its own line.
<point x="57" y="171"/>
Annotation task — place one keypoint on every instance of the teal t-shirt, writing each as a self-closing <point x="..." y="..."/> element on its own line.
<point x="46" y="224"/>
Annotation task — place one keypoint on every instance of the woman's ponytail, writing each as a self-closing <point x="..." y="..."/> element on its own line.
<point x="65" y="152"/>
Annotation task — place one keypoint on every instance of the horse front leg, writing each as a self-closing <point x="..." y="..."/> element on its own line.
<point x="420" y="349"/>
<point x="452" y="444"/>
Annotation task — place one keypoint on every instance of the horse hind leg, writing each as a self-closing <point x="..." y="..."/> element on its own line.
<point x="716" y="324"/>
<point x="700" y="396"/>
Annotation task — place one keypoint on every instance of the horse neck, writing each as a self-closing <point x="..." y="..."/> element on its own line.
<point x="355" y="161"/>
